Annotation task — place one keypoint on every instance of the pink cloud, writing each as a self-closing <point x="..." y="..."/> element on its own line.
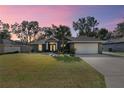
<point x="45" y="15"/>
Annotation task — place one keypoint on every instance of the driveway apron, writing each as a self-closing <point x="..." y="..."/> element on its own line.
<point x="111" y="67"/>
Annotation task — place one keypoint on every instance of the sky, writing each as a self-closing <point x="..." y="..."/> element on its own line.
<point x="107" y="16"/>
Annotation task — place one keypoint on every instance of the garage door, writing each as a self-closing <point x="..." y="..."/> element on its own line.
<point x="86" y="48"/>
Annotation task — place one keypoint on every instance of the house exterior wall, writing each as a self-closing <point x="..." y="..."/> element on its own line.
<point x="47" y="47"/>
<point x="86" y="48"/>
<point x="25" y="48"/>
<point x="100" y="48"/>
<point x="115" y="47"/>
<point x="34" y="47"/>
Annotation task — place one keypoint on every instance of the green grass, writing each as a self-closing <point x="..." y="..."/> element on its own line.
<point x="37" y="70"/>
<point x="119" y="53"/>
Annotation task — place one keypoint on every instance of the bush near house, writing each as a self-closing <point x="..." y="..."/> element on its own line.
<point x="68" y="58"/>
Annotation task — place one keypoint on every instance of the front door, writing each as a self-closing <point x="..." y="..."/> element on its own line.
<point x="52" y="47"/>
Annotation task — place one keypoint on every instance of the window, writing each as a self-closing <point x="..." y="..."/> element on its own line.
<point x="40" y="48"/>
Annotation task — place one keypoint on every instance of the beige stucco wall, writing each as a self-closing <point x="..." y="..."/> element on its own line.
<point x="86" y="48"/>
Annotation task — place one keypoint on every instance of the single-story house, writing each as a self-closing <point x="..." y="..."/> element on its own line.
<point x="82" y="45"/>
<point x="86" y="45"/>
<point x="45" y="45"/>
<point x="115" y="45"/>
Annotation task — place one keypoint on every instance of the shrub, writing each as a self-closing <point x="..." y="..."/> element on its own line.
<point x="72" y="50"/>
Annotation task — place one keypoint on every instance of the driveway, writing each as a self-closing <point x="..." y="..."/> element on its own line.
<point x="111" y="67"/>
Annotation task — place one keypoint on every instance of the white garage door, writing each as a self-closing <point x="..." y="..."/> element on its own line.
<point x="86" y="48"/>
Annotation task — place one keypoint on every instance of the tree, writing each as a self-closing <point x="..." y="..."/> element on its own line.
<point x="61" y="32"/>
<point x="120" y="30"/>
<point x="49" y="31"/>
<point x="33" y="29"/>
<point x="26" y="31"/>
<point x="86" y="26"/>
<point x="102" y="33"/>
<point x="4" y="30"/>
<point x="109" y="35"/>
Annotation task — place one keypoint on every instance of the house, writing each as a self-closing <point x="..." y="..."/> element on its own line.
<point x="86" y="45"/>
<point x="82" y="45"/>
<point x="114" y="45"/>
<point x="46" y="45"/>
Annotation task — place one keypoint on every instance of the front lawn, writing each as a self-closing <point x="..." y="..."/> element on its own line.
<point x="37" y="70"/>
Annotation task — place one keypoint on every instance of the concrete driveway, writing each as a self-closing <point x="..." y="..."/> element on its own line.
<point x="111" y="67"/>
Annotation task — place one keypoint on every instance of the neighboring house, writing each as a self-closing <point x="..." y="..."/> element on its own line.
<point x="86" y="45"/>
<point x="8" y="46"/>
<point x="115" y="45"/>
<point x="46" y="45"/>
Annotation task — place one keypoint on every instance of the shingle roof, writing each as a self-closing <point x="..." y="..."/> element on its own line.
<point x="52" y="38"/>
<point x="42" y="41"/>
<point x="70" y="38"/>
<point x="85" y="39"/>
<point x="117" y="40"/>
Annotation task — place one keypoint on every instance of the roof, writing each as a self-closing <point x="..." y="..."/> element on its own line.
<point x="117" y="40"/>
<point x="85" y="39"/>
<point x="52" y="38"/>
<point x="43" y="41"/>
<point x="70" y="38"/>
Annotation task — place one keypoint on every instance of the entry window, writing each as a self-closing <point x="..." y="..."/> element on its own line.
<point x="52" y="47"/>
<point x="40" y="47"/>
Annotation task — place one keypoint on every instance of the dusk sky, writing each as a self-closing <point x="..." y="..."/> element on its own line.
<point x="107" y="16"/>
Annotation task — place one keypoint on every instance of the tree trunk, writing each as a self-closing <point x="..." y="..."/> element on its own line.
<point x="63" y="45"/>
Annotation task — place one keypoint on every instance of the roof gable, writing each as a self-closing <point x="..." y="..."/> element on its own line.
<point x="52" y="39"/>
<point x="43" y="41"/>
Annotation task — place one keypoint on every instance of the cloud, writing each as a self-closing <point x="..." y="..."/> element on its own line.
<point x="45" y="15"/>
